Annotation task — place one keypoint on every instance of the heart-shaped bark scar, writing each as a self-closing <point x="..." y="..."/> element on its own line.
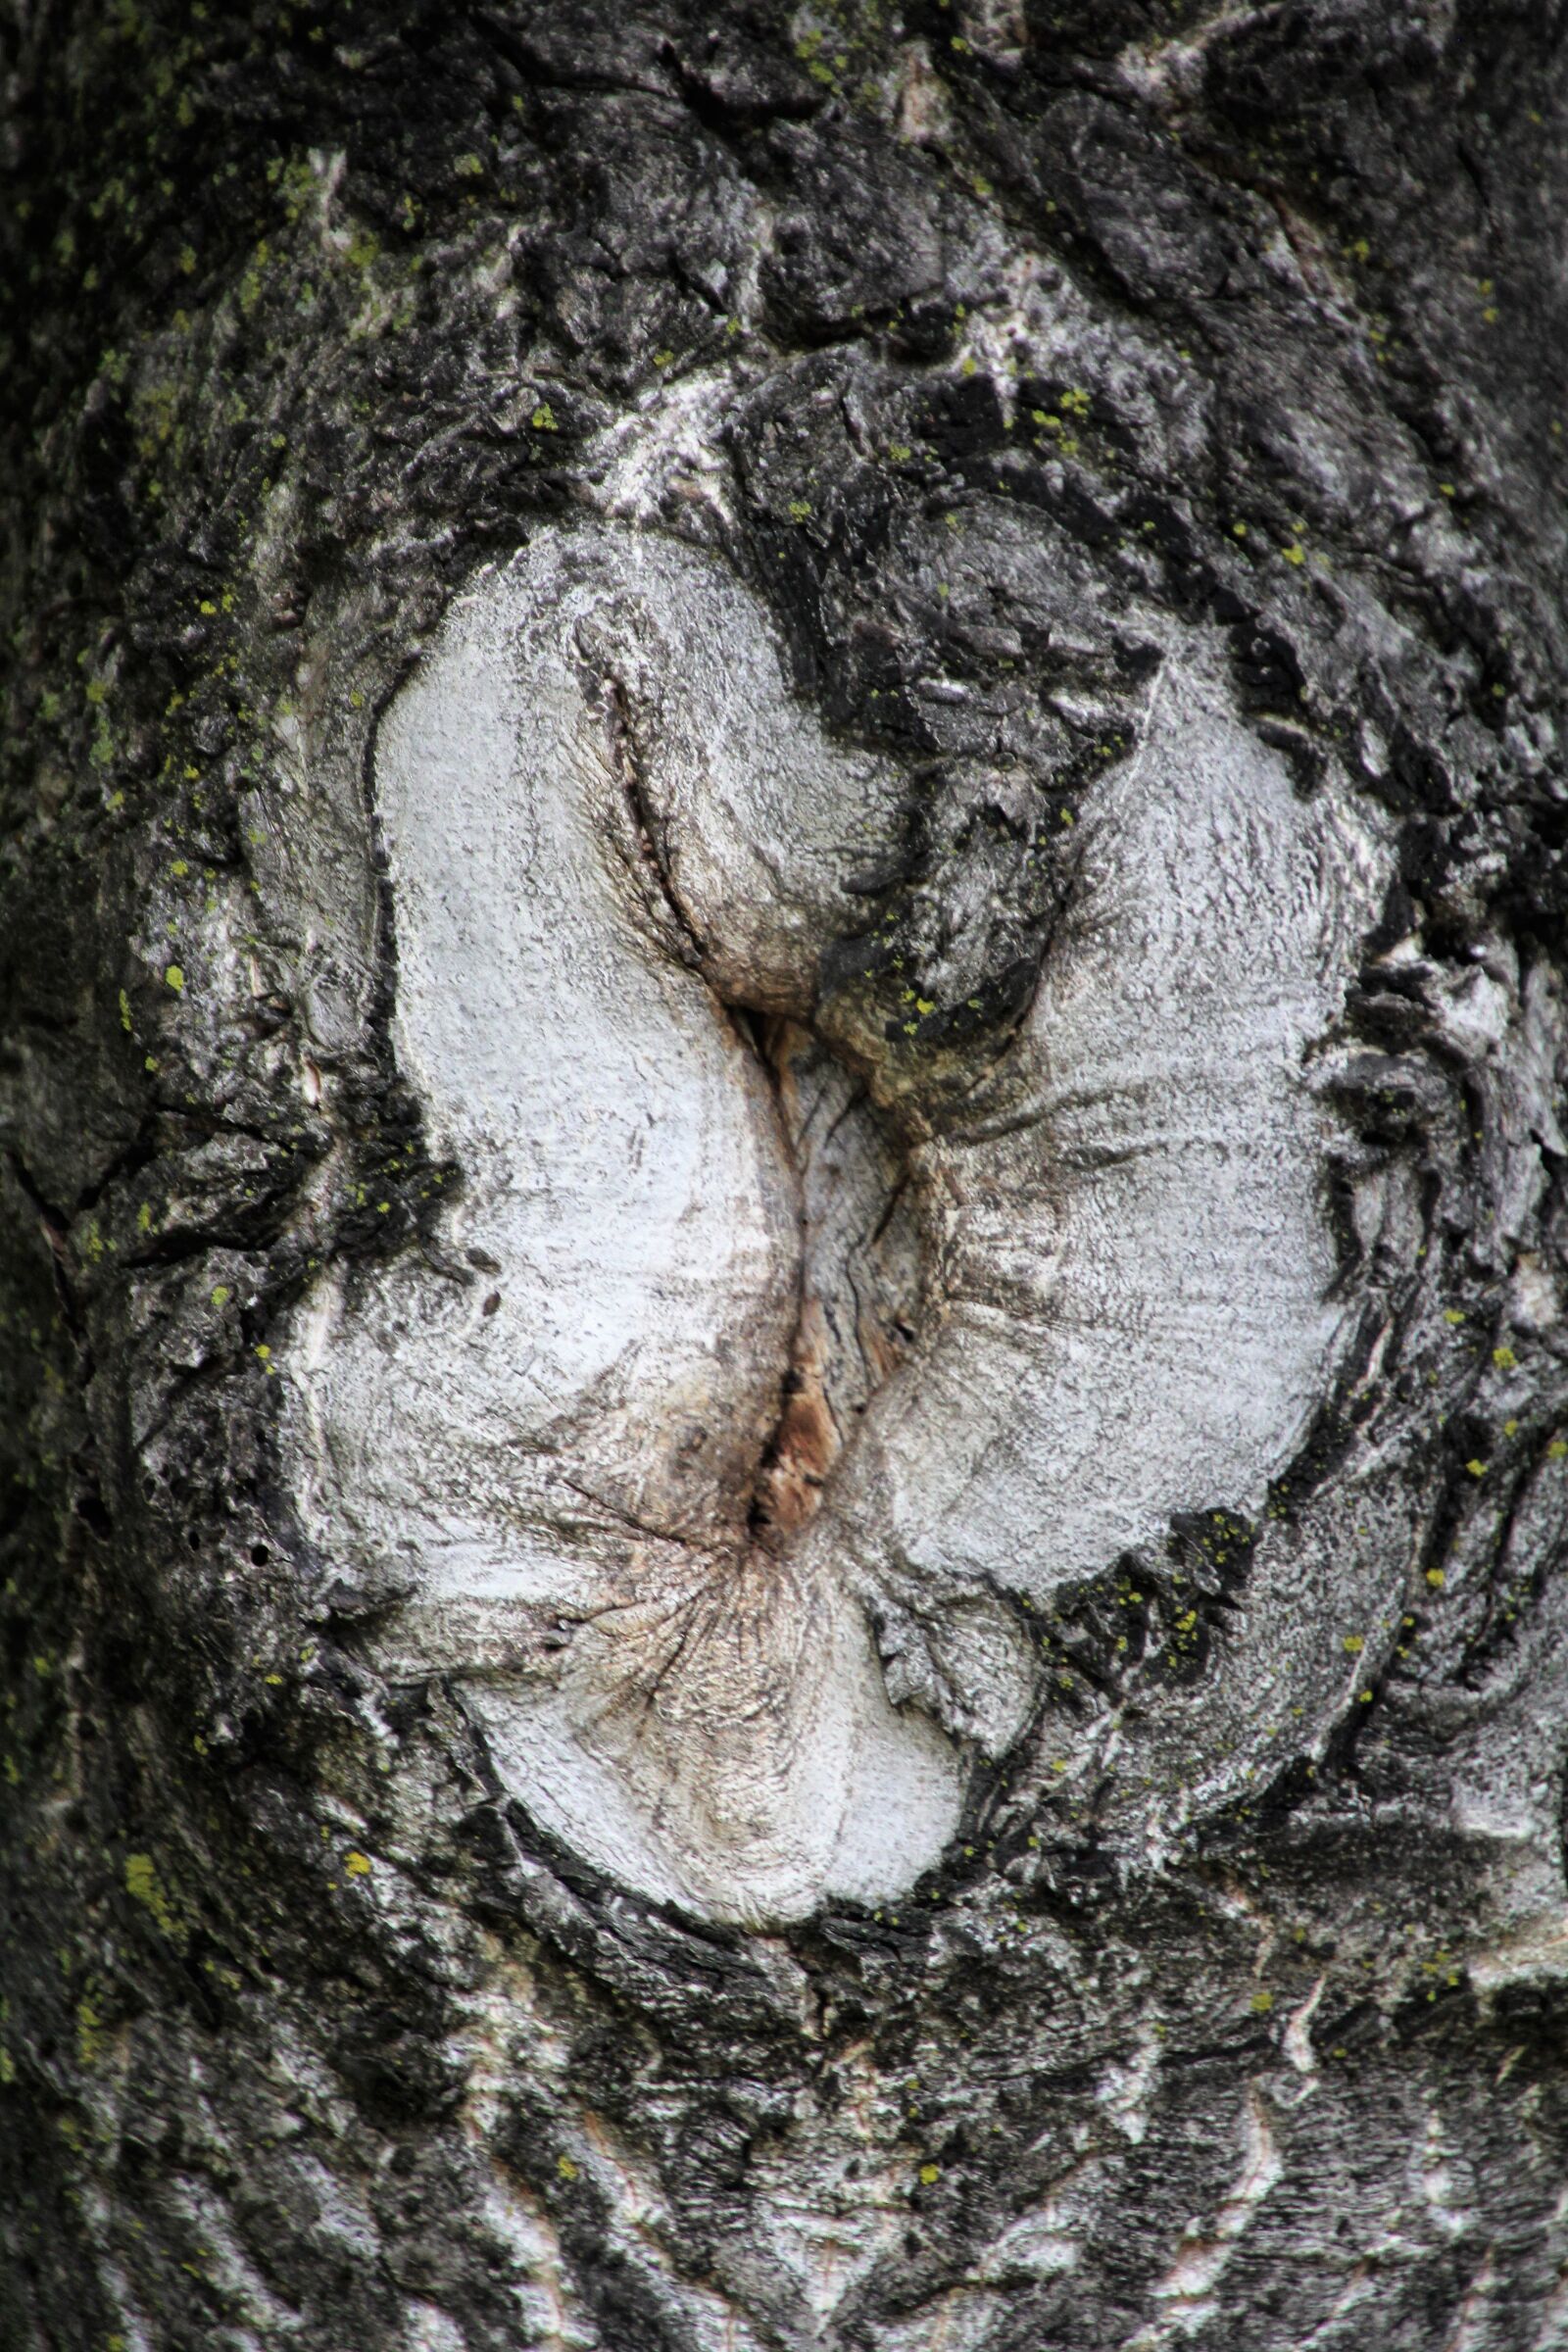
<point x="787" y="1370"/>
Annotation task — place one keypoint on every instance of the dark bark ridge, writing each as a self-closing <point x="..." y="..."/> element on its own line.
<point x="971" y="339"/>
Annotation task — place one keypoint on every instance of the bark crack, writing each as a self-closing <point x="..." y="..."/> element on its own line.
<point x="807" y="1438"/>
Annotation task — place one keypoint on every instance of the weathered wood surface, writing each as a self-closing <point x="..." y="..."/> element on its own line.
<point x="609" y="829"/>
<point x="787" y="1391"/>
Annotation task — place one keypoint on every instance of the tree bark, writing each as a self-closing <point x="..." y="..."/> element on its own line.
<point x="786" y="1456"/>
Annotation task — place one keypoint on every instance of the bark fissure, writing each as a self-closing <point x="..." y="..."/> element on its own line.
<point x="807" y="1436"/>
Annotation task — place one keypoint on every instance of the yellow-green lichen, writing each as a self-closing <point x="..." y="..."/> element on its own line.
<point x="145" y="1886"/>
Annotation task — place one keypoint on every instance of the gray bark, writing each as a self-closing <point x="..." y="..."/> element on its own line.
<point x="984" y="1769"/>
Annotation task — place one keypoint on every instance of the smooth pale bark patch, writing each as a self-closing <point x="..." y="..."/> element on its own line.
<point x="1135" y="1259"/>
<point x="1002" y="1333"/>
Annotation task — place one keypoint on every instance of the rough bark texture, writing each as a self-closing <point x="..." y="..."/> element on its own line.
<point x="1007" y="362"/>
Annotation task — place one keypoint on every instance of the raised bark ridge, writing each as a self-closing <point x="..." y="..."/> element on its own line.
<point x="612" y="831"/>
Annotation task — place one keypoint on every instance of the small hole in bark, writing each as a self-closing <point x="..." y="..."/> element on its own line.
<point x="260" y="1554"/>
<point x="861" y="1273"/>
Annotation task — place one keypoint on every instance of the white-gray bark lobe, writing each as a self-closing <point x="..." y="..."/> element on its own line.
<point x="608" y="824"/>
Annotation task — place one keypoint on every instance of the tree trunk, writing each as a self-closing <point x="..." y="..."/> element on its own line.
<point x="787" y="1415"/>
